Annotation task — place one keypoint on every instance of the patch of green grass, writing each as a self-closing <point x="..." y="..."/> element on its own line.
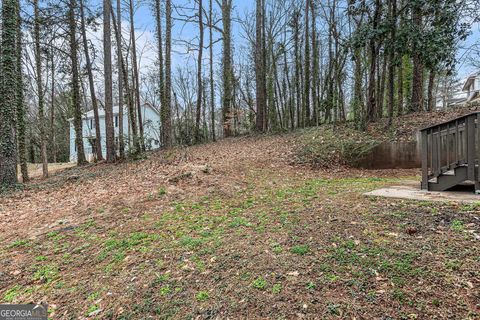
<point x="19" y="243"/>
<point x="46" y="273"/>
<point x="93" y="296"/>
<point x="118" y="257"/>
<point x="202" y="296"/>
<point x="165" y="290"/>
<point x="162" y="278"/>
<point x="12" y="293"/>
<point x="40" y="258"/>
<point x="55" y="235"/>
<point x="436" y="302"/>
<point x="470" y="207"/>
<point x="138" y="241"/>
<point x="260" y="283"/>
<point x="277" y="248"/>
<point x="245" y="276"/>
<point x="333" y="309"/>
<point x="301" y="250"/>
<point x="277" y="288"/>
<point x="199" y="263"/>
<point x="92" y="309"/>
<point x="161" y="191"/>
<point x="239" y="222"/>
<point x="311" y="286"/>
<point x="398" y="294"/>
<point x="453" y="265"/>
<point x="457" y="226"/>
<point x="331" y="277"/>
<point x="190" y="242"/>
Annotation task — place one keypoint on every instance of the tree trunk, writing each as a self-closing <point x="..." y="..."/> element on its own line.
<point x="391" y="62"/>
<point x="133" y="137"/>
<point x="21" y="125"/>
<point x="306" y="97"/>
<point x="227" y="69"/>
<point x="8" y="150"/>
<point x="136" y="76"/>
<point x="316" y="67"/>
<point x="52" y="108"/>
<point x="38" y="69"/>
<point x="166" y="110"/>
<point x="400" y="88"/>
<point x="260" y="68"/>
<point x="431" y="85"/>
<point x="381" y="88"/>
<point x="212" y="85"/>
<point x="158" y="18"/>
<point x="296" y="40"/>
<point x="358" y="107"/>
<point x="118" y="37"/>
<point x="77" y="111"/>
<point x="199" y="73"/>
<point x="107" y="61"/>
<point x="372" y="101"/>
<point x="417" y="79"/>
<point x="98" y="134"/>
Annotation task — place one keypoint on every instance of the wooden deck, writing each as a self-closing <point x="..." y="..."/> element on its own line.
<point x="450" y="153"/>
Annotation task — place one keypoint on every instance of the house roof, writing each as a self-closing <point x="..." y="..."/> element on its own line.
<point x="469" y="80"/>
<point x="101" y="112"/>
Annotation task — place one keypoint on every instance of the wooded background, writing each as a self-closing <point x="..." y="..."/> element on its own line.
<point x="278" y="66"/>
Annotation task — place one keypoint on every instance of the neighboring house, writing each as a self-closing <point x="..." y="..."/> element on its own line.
<point x="472" y="87"/>
<point x="458" y="93"/>
<point x="450" y="95"/>
<point x="151" y="123"/>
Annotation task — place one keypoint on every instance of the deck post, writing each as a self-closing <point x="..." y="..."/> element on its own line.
<point x="424" y="148"/>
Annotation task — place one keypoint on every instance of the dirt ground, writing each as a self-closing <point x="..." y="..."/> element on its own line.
<point x="236" y="230"/>
<point x="35" y="169"/>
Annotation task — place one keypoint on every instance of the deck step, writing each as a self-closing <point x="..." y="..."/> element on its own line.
<point x="447" y="181"/>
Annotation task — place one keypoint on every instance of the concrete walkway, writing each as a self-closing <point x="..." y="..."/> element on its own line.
<point x="411" y="191"/>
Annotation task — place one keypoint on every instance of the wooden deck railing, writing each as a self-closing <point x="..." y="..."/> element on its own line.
<point x="449" y="145"/>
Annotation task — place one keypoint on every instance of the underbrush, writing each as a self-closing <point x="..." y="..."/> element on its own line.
<point x="329" y="146"/>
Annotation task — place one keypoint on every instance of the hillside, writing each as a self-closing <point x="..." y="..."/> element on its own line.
<point x="236" y="229"/>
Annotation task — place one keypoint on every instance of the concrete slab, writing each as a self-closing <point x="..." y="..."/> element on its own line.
<point x="411" y="191"/>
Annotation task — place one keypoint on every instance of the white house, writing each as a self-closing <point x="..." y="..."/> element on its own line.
<point x="458" y="93"/>
<point x="472" y="87"/>
<point x="151" y="124"/>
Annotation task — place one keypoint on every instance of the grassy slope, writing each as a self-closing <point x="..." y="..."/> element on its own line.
<point x="232" y="229"/>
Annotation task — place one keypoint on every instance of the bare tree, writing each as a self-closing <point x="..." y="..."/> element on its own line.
<point x="20" y="103"/>
<point x="212" y="85"/>
<point x="136" y="76"/>
<point x="199" y="72"/>
<point x="75" y="84"/>
<point x="88" y="62"/>
<point x="118" y="37"/>
<point x="260" y="73"/>
<point x="40" y="91"/>
<point x="228" y="131"/>
<point x="107" y="67"/>
<point x="166" y="107"/>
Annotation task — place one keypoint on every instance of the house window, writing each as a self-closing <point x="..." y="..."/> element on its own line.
<point x="91" y="123"/>
<point x="116" y="121"/>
